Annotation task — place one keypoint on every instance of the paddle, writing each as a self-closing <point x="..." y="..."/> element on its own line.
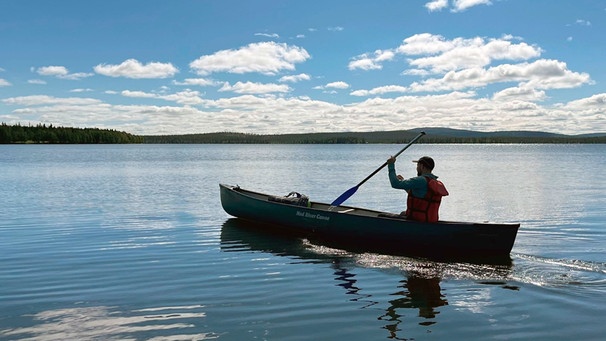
<point x="341" y="199"/>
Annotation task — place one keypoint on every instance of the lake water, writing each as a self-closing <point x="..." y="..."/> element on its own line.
<point x="129" y="242"/>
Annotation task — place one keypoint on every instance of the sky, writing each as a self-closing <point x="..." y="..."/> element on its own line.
<point x="153" y="67"/>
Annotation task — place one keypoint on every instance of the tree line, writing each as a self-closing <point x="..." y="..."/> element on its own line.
<point x="401" y="137"/>
<point x="42" y="133"/>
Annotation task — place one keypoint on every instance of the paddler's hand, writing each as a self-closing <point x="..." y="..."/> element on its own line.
<point x="391" y="160"/>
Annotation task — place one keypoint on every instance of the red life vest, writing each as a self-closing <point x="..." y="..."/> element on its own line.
<point x="426" y="209"/>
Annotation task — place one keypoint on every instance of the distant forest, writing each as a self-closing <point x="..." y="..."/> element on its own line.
<point x="434" y="135"/>
<point x="42" y="133"/>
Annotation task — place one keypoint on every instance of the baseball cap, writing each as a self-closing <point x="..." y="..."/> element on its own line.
<point x="426" y="161"/>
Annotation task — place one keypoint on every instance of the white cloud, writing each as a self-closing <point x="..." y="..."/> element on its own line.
<point x="461" y="5"/>
<point x="457" y="5"/>
<point x="436" y="5"/>
<point x="271" y="114"/>
<point x="371" y="61"/>
<point x="269" y="35"/>
<point x="438" y="55"/>
<point x="197" y="81"/>
<point x="460" y="53"/>
<point x="329" y="88"/>
<point x="36" y="81"/>
<point x="77" y="75"/>
<point x="254" y="88"/>
<point x="185" y="97"/>
<point x="295" y="78"/>
<point x="597" y="101"/>
<point x="4" y="82"/>
<point x="36" y="100"/>
<point x="364" y="62"/>
<point x="52" y="71"/>
<point x="541" y="74"/>
<point x="337" y="85"/>
<point x="61" y="72"/>
<point x="520" y="93"/>
<point x="132" y="68"/>
<point x="138" y="94"/>
<point x="267" y="58"/>
<point x="381" y="90"/>
<point x="336" y="29"/>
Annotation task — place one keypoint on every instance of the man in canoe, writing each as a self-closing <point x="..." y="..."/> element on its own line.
<point x="425" y="191"/>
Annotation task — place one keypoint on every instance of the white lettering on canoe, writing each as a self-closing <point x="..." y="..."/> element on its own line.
<point x="312" y="215"/>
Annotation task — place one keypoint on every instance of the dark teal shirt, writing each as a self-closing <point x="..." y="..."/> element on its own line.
<point x="417" y="185"/>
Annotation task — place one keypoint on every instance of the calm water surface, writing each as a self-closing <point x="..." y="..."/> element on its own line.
<point x="130" y="242"/>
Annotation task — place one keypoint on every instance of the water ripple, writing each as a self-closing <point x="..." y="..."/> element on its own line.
<point x="109" y="323"/>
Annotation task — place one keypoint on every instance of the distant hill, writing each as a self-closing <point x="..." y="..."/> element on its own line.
<point x="434" y="135"/>
<point x="49" y="134"/>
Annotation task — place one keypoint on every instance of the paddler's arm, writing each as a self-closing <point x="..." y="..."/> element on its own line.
<point x="397" y="181"/>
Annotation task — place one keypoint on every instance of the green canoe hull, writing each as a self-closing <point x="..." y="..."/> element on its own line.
<point x="368" y="229"/>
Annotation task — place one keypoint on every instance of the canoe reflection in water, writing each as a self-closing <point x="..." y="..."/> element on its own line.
<point x="420" y="290"/>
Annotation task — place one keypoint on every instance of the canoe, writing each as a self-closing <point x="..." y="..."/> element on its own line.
<point x="368" y="229"/>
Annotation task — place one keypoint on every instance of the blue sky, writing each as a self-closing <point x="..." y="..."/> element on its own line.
<point x="280" y="66"/>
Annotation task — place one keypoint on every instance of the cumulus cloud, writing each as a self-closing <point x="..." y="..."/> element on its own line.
<point x="4" y="82"/>
<point x="295" y="78"/>
<point x="541" y="74"/>
<point x="266" y="58"/>
<point x="461" y="5"/>
<point x="457" y="5"/>
<point x="429" y="53"/>
<point x="254" y="88"/>
<point x="52" y="71"/>
<point x="511" y="109"/>
<point x="520" y="93"/>
<point x="196" y="81"/>
<point x="185" y="97"/>
<point x="380" y="90"/>
<point x="597" y="101"/>
<point x="439" y="54"/>
<point x="371" y="61"/>
<point x="471" y="63"/>
<point x="61" y="72"/>
<point x="138" y="94"/>
<point x="132" y="68"/>
<point x="337" y="85"/>
<point x="36" y="100"/>
<point x="332" y="87"/>
<point x="436" y="5"/>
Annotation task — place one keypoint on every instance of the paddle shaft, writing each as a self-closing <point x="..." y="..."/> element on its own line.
<point x="341" y="199"/>
<point x="396" y="155"/>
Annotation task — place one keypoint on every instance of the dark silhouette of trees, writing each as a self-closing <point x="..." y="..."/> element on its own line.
<point x="42" y="133"/>
<point x="49" y="134"/>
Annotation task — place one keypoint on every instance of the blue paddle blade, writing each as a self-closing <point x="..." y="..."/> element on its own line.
<point x="341" y="199"/>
